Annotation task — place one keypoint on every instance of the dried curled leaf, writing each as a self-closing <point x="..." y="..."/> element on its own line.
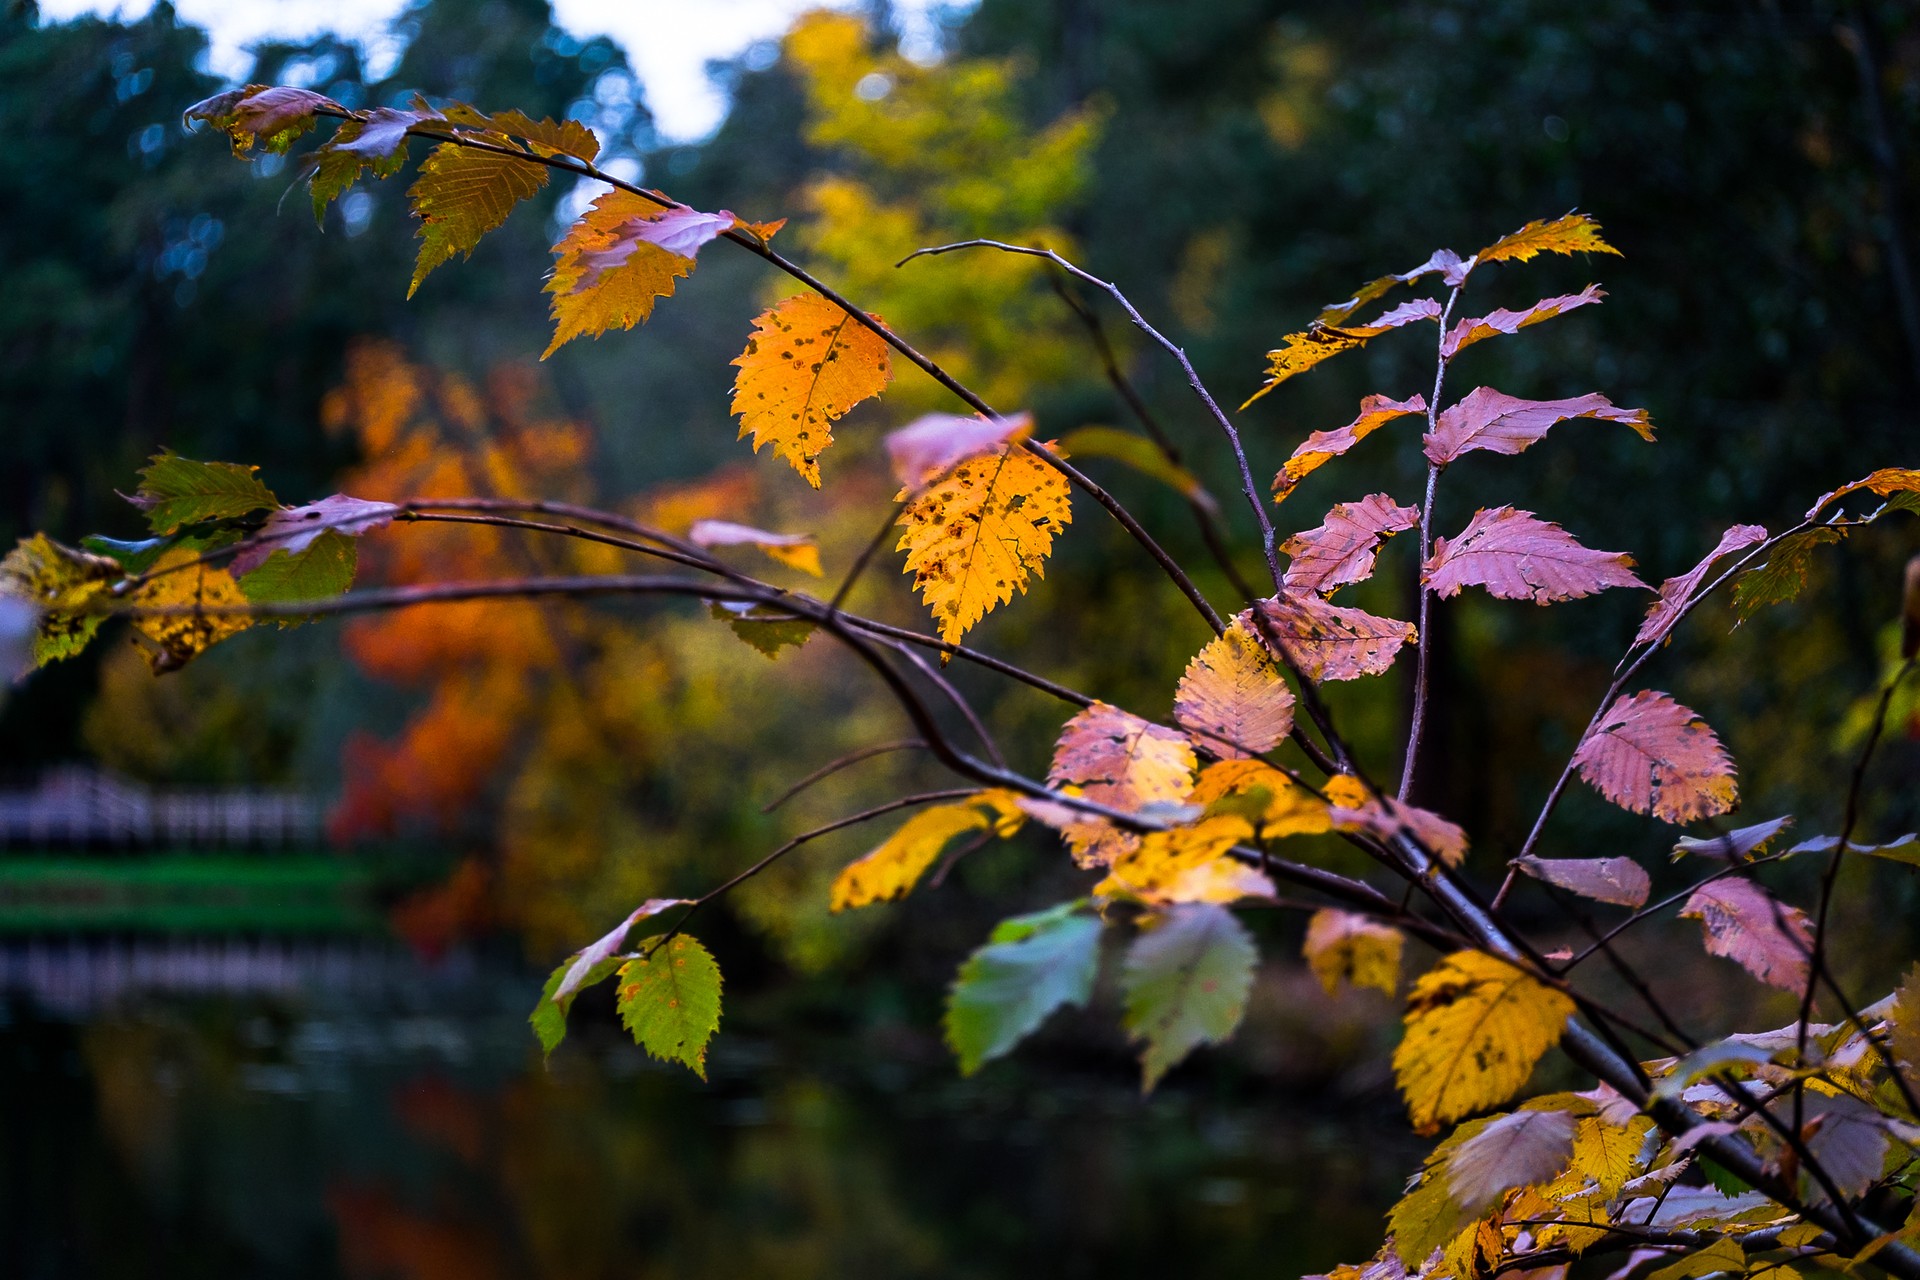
<point x="806" y="364"/>
<point x="1302" y="351"/>
<point x="1323" y="446"/>
<point x="670" y="1002"/>
<point x="1232" y="698"/>
<point x="1443" y="262"/>
<point x="589" y="301"/>
<point x="795" y="550"/>
<point x="892" y="869"/>
<point x="1649" y="754"/>
<point x="1344" y="948"/>
<point x="974" y="538"/>
<point x="1516" y="555"/>
<point x="1186" y="981"/>
<point x="1621" y="881"/>
<point x="1342" y="550"/>
<point x="1503" y="321"/>
<point x="271" y="117"/>
<point x="1744" y="923"/>
<point x="461" y="194"/>
<point x="602" y="949"/>
<point x="1326" y="641"/>
<point x="293" y="529"/>
<point x="1475" y="1028"/>
<point x="1574" y="233"/>
<point x="1737" y="845"/>
<point x="1500" y="423"/>
<point x="1677" y="593"/>
<point x="1123" y="762"/>
<point x="1884" y="483"/>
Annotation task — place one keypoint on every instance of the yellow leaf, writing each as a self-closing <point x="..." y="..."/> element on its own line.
<point x="1473" y="1252"/>
<point x="1609" y="1154"/>
<point x="1232" y="697"/>
<point x="1289" y="809"/>
<point x="892" y="870"/>
<point x="974" y="538"/>
<point x="1575" y="233"/>
<point x="461" y="194"/>
<point x="795" y="550"/>
<point x="1475" y="1027"/>
<point x="806" y="363"/>
<point x="58" y="583"/>
<point x="1343" y="947"/>
<point x="588" y="299"/>
<point x="1182" y="865"/>
<point x="1123" y="762"/>
<point x="1346" y="791"/>
<point x="180" y="637"/>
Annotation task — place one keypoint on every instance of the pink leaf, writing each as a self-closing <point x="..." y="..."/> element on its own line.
<point x="1737" y="845"/>
<point x="1327" y="642"/>
<point x="1516" y="555"/>
<point x="1652" y="755"/>
<point x="930" y="446"/>
<point x="1468" y="332"/>
<point x="293" y="529"/>
<point x="1677" y="593"/>
<point x="1343" y="548"/>
<point x="583" y="962"/>
<point x="384" y="131"/>
<point x="1386" y="817"/>
<point x="1321" y="446"/>
<point x="1745" y="924"/>
<point x="1491" y="420"/>
<point x="1617" y="880"/>
<point x="679" y="232"/>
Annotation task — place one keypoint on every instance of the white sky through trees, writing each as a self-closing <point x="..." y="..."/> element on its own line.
<point x="668" y="42"/>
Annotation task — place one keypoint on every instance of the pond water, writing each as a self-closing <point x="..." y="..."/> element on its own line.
<point x="364" y="1114"/>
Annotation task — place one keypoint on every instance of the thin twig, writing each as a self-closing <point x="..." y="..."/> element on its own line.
<point x="832" y="767"/>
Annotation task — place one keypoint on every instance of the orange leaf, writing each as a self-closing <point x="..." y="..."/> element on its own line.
<point x="1468" y="332"/>
<point x="589" y="300"/>
<point x="1323" y="446"/>
<point x="1232" y="699"/>
<point x="1123" y="762"/>
<point x="1345" y="948"/>
<point x="1575" y="233"/>
<point x="805" y="365"/>
<point x="1302" y="351"/>
<point x="1652" y="755"/>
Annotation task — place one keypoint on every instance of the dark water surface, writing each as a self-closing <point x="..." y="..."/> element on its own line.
<point x="345" y="1111"/>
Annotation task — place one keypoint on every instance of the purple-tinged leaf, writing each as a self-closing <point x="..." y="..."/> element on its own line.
<point x="1900" y="849"/>
<point x="1621" y="881"/>
<point x="1343" y="548"/>
<point x="1649" y="754"/>
<point x="1516" y="555"/>
<point x="1737" y="845"/>
<point x="1518" y="1150"/>
<point x="1468" y="332"/>
<point x="1676" y="594"/>
<point x="679" y="232"/>
<point x="1768" y="939"/>
<point x="384" y="129"/>
<point x="1500" y="423"/>
<point x="606" y="946"/>
<point x="932" y="445"/>
<point x="293" y="529"/>
<point x="1326" y="641"/>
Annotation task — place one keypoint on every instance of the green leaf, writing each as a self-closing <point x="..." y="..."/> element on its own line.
<point x="462" y="194"/>
<point x="768" y="635"/>
<point x="321" y="571"/>
<point x="1186" y="982"/>
<point x="175" y="491"/>
<point x="1031" y="965"/>
<point x="671" y="1002"/>
<point x="1783" y="575"/>
<point x="549" y="1017"/>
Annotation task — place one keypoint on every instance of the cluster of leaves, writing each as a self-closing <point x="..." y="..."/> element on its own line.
<point x="1755" y="1151"/>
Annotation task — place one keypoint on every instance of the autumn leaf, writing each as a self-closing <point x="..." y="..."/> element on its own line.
<point x="1849" y="1140"/>
<point x="1426" y="1219"/>
<point x="1263" y="795"/>
<point x="933" y="444"/>
<point x="318" y="572"/>
<point x="1475" y="1028"/>
<point x="602" y="949"/>
<point x="1737" y="845"/>
<point x="1186" y="864"/>
<point x="767" y="630"/>
<point x="1784" y="573"/>
<point x="1678" y="592"/>
<point x="184" y="587"/>
<point x="1232" y="698"/>
<point x="1327" y="641"/>
<point x="1904" y="1019"/>
<point x="1118" y="760"/>
<point x="1030" y="966"/>
<point x="1621" y="881"/>
<point x="1323" y="446"/>
<point x="1523" y="1149"/>
<point x="1341" y="551"/>
<point x="1385" y="818"/>
<point x="376" y="145"/>
<point x="1883" y="483"/>
<point x="175" y="491"/>
<point x="795" y="550"/>
<point x="1502" y="321"/>
<point x="1301" y="351"/>
<point x="973" y="539"/>
<point x="892" y="869"/>
<point x="670" y="1002"/>
<point x="1143" y="456"/>
<point x="1609" y="1153"/>
<point x="271" y="117"/>
<point x="293" y="529"/>
<point x="1516" y="555"/>
<point x="546" y="137"/>
<point x="1344" y="948"/>
<point x="1742" y="922"/>
<point x="1443" y="262"/>
<point x="57" y="584"/>
<point x="1185" y="981"/>
<point x="549" y="1016"/>
<point x="1485" y="419"/>
<point x="1649" y="754"/>
<point x="806" y="364"/>
<point x="461" y="194"/>
<point x="587" y="301"/>
<point x="1574" y="233"/>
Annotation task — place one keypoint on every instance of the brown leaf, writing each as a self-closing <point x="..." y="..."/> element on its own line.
<point x="1500" y="423"/>
<point x="1617" y="880"/>
<point x="1745" y="924"/>
<point x="933" y="444"/>
<point x="1232" y="698"/>
<point x="1302" y="351"/>
<point x="1326" y="641"/>
<point x="1677" y="593"/>
<point x="1516" y="555"/>
<point x="1121" y="761"/>
<point x="1468" y="332"/>
<point x="1574" y="233"/>
<point x="1649" y="754"/>
<point x="1323" y="446"/>
<point x="1343" y="548"/>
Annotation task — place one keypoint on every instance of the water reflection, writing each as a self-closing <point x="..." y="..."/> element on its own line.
<point x="385" y="1118"/>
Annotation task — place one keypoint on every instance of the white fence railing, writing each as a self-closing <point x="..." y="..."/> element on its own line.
<point x="83" y="806"/>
